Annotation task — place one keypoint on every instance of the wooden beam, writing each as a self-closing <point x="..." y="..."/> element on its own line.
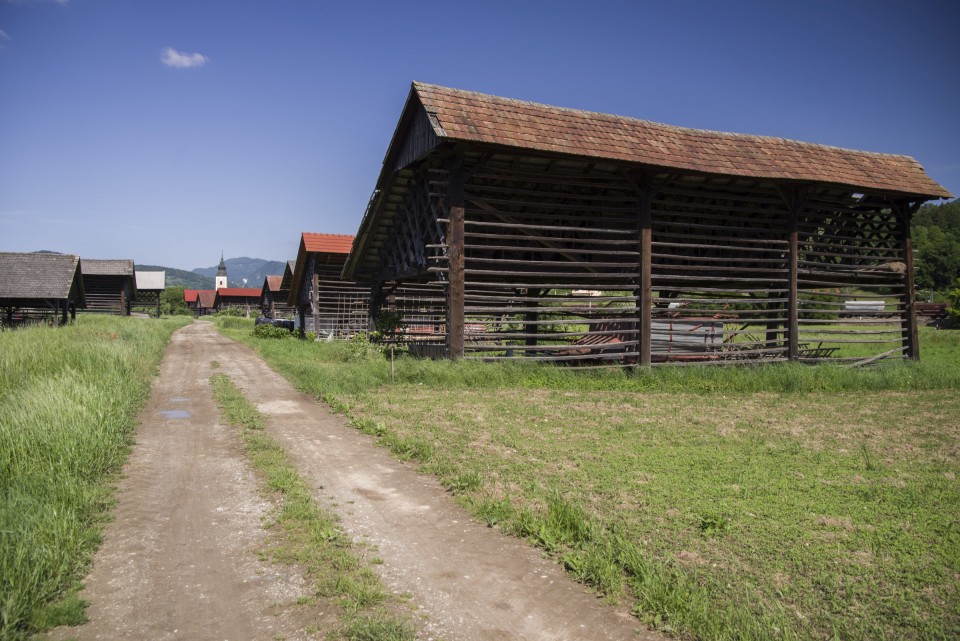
<point x="315" y="301"/>
<point x="793" y="302"/>
<point x="645" y="292"/>
<point x="911" y="339"/>
<point x="456" y="284"/>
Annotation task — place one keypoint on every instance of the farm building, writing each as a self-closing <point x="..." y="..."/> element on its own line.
<point x="593" y="239"/>
<point x="274" y="300"/>
<point x="39" y="287"/>
<point x="190" y="298"/>
<point x="206" y="302"/>
<point x="149" y="287"/>
<point x="326" y="303"/>
<point x="243" y="298"/>
<point x="109" y="286"/>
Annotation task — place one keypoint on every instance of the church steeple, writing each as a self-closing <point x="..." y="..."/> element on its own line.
<point x="221" y="273"/>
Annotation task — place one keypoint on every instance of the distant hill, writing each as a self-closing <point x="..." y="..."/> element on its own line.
<point x="253" y="269"/>
<point x="189" y="280"/>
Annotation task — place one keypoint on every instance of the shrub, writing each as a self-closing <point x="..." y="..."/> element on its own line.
<point x="954" y="308"/>
<point x="267" y="330"/>
<point x="231" y="311"/>
<point x="361" y="349"/>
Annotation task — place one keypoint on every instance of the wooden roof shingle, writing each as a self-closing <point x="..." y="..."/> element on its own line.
<point x="327" y="243"/>
<point x="39" y="276"/>
<point x="459" y="115"/>
<point x="335" y="246"/>
<point x="106" y="267"/>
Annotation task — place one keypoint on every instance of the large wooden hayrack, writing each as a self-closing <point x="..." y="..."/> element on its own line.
<point x="535" y="232"/>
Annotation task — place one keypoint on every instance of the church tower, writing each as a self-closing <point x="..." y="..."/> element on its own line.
<point x="221" y="273"/>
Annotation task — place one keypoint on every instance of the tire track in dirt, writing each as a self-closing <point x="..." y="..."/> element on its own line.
<point x="471" y="582"/>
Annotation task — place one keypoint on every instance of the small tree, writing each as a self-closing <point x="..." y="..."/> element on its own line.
<point x="389" y="324"/>
<point x="172" y="303"/>
<point x="954" y="308"/>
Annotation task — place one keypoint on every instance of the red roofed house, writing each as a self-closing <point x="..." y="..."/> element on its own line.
<point x="704" y="246"/>
<point x="244" y="298"/>
<point x="190" y="298"/>
<point x="326" y="303"/>
<point x="206" y="302"/>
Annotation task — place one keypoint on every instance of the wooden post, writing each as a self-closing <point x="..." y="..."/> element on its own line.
<point x="373" y="310"/>
<point x="645" y="291"/>
<point x="455" y="262"/>
<point x="793" y="295"/>
<point x="303" y="320"/>
<point x="315" y="300"/>
<point x="910" y="336"/>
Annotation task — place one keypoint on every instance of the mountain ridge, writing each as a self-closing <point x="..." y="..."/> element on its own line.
<point x="245" y="271"/>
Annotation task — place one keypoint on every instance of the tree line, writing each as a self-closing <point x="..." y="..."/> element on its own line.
<point x="936" y="245"/>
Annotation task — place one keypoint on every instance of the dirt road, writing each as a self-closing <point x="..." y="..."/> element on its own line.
<point x="178" y="561"/>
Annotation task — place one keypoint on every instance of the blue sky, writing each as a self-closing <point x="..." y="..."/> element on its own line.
<point x="166" y="131"/>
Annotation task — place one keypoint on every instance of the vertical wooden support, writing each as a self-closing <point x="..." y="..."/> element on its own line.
<point x="793" y="295"/>
<point x="645" y="292"/>
<point x="315" y="301"/>
<point x="303" y="320"/>
<point x="373" y="309"/>
<point x="455" y="261"/>
<point x="910" y="337"/>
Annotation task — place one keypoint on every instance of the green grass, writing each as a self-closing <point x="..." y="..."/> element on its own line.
<point x="312" y="536"/>
<point x="68" y="404"/>
<point x="779" y="501"/>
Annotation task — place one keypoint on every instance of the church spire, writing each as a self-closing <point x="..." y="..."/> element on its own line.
<point x="221" y="280"/>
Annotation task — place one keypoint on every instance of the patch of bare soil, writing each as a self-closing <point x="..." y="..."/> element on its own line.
<point x="179" y="560"/>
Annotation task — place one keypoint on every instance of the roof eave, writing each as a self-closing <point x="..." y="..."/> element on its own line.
<point x="413" y="102"/>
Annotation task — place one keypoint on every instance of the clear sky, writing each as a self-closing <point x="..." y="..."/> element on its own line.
<point x="167" y="130"/>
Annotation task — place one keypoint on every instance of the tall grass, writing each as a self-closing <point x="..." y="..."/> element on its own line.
<point x="68" y="403"/>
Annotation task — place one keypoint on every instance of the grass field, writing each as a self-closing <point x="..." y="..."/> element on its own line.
<point x="68" y="403"/>
<point x="719" y="503"/>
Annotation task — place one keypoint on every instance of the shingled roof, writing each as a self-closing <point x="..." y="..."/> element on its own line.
<point x="458" y="115"/>
<point x="109" y="267"/>
<point x="327" y="243"/>
<point x="40" y="276"/>
<point x="206" y="298"/>
<point x="272" y="283"/>
<point x="334" y="246"/>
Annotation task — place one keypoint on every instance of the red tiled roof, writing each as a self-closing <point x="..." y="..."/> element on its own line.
<point x="206" y="298"/>
<point x="469" y="116"/>
<point x="327" y="243"/>
<point x="238" y="292"/>
<point x="273" y="283"/>
<point x="190" y="295"/>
